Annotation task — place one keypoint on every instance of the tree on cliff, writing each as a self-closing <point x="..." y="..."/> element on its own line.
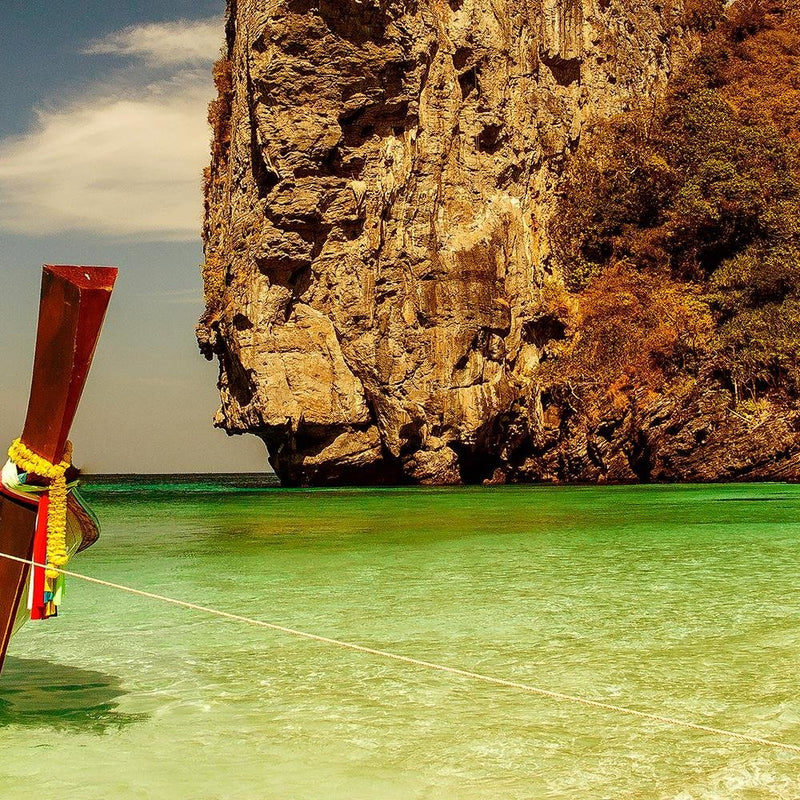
<point x="704" y="192"/>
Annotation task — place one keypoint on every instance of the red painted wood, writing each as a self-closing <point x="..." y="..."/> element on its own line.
<point x="73" y="304"/>
<point x="39" y="557"/>
<point x="17" y="526"/>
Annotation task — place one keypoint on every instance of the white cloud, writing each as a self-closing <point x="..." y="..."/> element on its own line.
<point x="125" y="156"/>
<point x="164" y="44"/>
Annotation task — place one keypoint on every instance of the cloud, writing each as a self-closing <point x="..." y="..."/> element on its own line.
<point x="164" y="44"/>
<point x="124" y="157"/>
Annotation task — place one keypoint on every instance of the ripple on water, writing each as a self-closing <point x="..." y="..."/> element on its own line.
<point x="676" y="600"/>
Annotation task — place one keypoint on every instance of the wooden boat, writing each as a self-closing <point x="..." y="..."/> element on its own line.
<point x="73" y="304"/>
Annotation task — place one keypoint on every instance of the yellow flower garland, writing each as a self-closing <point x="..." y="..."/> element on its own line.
<point x="28" y="461"/>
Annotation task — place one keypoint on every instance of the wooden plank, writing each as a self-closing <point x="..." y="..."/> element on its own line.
<point x="17" y="525"/>
<point x="71" y="313"/>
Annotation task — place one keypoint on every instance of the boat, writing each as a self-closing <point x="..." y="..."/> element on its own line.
<point x="43" y="519"/>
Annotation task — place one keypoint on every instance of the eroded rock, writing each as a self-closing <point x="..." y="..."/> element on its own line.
<point x="376" y="245"/>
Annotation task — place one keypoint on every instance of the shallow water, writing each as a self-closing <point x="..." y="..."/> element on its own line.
<point x="679" y="601"/>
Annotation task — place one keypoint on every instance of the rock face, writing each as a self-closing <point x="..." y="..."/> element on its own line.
<point x="377" y="257"/>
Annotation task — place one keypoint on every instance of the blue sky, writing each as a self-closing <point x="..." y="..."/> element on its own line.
<point x="103" y="138"/>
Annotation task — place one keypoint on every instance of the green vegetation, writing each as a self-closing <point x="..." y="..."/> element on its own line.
<point x="679" y="230"/>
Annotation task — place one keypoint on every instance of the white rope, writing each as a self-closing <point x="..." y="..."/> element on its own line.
<point x="463" y="673"/>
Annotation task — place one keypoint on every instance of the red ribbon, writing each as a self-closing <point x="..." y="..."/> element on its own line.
<point x="40" y="557"/>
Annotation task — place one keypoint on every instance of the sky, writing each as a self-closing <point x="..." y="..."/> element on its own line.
<point x="103" y="138"/>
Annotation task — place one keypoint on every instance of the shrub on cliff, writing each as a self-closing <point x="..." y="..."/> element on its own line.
<point x="706" y="192"/>
<point x="635" y="330"/>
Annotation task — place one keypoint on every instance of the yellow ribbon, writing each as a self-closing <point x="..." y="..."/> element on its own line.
<point x="28" y="461"/>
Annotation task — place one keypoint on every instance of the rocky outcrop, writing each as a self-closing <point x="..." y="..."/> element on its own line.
<point x="377" y="257"/>
<point x="690" y="434"/>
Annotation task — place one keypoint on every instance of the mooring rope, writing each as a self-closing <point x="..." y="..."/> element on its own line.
<point x="462" y="673"/>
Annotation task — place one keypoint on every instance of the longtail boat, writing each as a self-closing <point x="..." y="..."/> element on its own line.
<point x="43" y="519"/>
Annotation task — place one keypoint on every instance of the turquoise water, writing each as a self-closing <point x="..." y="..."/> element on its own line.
<point x="680" y="601"/>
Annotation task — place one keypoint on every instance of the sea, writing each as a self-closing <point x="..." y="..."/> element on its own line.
<point x="682" y="602"/>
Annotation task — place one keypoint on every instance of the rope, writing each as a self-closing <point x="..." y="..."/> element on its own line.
<point x="462" y="673"/>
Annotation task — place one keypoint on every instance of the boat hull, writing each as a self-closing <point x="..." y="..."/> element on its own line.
<point x="73" y="304"/>
<point x="17" y="526"/>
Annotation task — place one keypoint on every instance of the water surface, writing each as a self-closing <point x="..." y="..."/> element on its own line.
<point x="680" y="601"/>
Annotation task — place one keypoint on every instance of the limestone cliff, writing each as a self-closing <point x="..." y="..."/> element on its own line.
<point x="380" y="274"/>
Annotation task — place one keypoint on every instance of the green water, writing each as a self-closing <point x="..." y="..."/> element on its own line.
<point x="680" y="601"/>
